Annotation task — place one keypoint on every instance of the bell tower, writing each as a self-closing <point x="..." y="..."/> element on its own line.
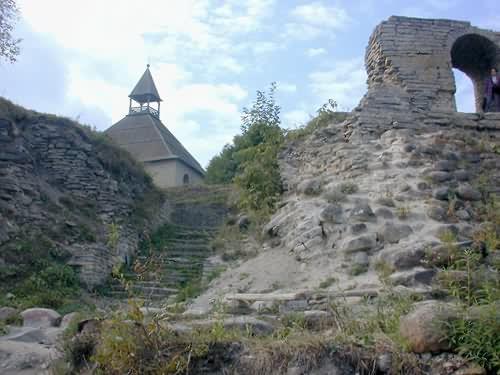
<point x="145" y="94"/>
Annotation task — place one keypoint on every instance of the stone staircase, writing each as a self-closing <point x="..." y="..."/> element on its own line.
<point x="176" y="254"/>
<point x="184" y="256"/>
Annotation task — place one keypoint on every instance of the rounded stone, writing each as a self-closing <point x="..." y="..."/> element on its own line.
<point x="332" y="213"/>
<point x="384" y="212"/>
<point x="463" y="215"/>
<point x="386" y="201"/>
<point x="310" y="187"/>
<point x="442" y="194"/>
<point x="363" y="212"/>
<point x="468" y="193"/>
<point x="423" y="186"/>
<point x="436" y="213"/>
<point x="439" y="176"/>
<point x="358" y="228"/>
<point x="425" y="328"/>
<point x="445" y="165"/>
<point x="361" y="259"/>
<point x="40" y="318"/>
<point x="363" y="243"/>
<point x="462" y="175"/>
<point x="393" y="233"/>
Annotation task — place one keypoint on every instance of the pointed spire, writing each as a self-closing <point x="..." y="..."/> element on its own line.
<point x="145" y="90"/>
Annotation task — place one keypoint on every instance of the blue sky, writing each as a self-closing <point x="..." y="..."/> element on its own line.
<point x="208" y="57"/>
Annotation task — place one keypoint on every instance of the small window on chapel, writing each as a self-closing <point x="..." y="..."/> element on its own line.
<point x="185" y="179"/>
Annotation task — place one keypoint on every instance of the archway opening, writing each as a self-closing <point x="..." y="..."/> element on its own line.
<point x="464" y="94"/>
<point x="475" y="55"/>
<point x="185" y="179"/>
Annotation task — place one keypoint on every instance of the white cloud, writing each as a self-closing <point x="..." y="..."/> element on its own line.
<point x="260" y="48"/>
<point x="345" y="83"/>
<point x="287" y="88"/>
<point x="295" y="118"/>
<point x="443" y="4"/>
<point x="321" y="15"/>
<point x="314" y="52"/>
<point x="40" y="80"/>
<point x="315" y="19"/>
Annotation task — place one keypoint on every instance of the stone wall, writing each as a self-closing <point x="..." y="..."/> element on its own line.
<point x="62" y="183"/>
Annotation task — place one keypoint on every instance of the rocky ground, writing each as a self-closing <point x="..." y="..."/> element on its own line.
<point x="357" y="211"/>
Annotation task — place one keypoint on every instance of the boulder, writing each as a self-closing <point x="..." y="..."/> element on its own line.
<point x="362" y="243"/>
<point x="393" y="233"/>
<point x="362" y="212"/>
<point x="437" y="213"/>
<point x="425" y="327"/>
<point x="442" y="194"/>
<point x="463" y="215"/>
<point x="462" y="175"/>
<point x="332" y="213"/>
<point x="67" y="319"/>
<point x="417" y="275"/>
<point x="439" y="176"/>
<point x="384" y="213"/>
<point x="468" y="193"/>
<point x="27" y="334"/>
<point x="453" y="364"/>
<point x="7" y="313"/>
<point x="310" y="187"/>
<point x="361" y="259"/>
<point x="403" y="258"/>
<point x="386" y="201"/>
<point x="40" y="318"/>
<point x="446" y="165"/>
<point x="358" y="228"/>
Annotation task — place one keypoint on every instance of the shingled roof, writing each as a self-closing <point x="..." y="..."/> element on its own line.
<point x="145" y="90"/>
<point x="148" y="140"/>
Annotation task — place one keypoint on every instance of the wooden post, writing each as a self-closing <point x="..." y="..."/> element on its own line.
<point x="130" y="106"/>
<point x="158" y="109"/>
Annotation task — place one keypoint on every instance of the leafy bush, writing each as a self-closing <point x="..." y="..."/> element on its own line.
<point x="478" y="339"/>
<point x="475" y="285"/>
<point x="251" y="162"/>
<point x="326" y="115"/>
<point x="50" y="287"/>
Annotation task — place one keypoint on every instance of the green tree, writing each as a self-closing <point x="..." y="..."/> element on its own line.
<point x="251" y="162"/>
<point x="9" y="46"/>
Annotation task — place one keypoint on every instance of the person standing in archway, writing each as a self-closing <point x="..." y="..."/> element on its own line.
<point x="491" y="101"/>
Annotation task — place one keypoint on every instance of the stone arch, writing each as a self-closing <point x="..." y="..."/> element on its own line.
<point x="185" y="179"/>
<point x="474" y="55"/>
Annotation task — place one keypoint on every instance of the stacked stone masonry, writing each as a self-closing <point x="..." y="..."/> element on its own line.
<point x="50" y="172"/>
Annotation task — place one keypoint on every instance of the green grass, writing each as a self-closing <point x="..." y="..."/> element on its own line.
<point x="348" y="188"/>
<point x="327" y="283"/>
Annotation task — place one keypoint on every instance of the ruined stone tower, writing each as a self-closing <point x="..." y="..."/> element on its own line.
<point x="416" y="56"/>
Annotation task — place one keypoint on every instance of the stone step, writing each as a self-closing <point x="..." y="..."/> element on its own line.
<point x="192" y="234"/>
<point x="176" y="242"/>
<point x="178" y="258"/>
<point x="184" y="249"/>
<point x="153" y="290"/>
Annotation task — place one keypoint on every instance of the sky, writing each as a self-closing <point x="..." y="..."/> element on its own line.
<point x="81" y="59"/>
